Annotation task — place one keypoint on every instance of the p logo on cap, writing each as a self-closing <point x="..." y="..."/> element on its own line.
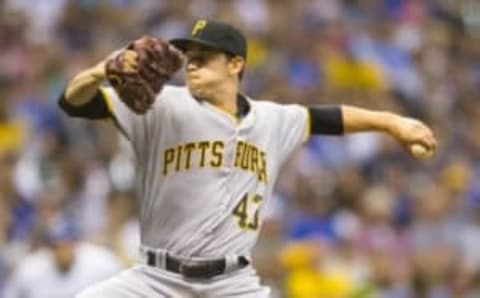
<point x="199" y="26"/>
<point x="215" y="35"/>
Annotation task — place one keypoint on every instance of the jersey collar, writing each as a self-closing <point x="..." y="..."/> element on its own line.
<point x="244" y="109"/>
<point x="243" y="106"/>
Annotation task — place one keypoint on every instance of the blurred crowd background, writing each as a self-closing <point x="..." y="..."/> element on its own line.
<point x="352" y="217"/>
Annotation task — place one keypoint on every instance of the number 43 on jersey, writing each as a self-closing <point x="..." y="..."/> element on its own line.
<point x="243" y="211"/>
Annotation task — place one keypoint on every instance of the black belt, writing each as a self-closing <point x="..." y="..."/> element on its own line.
<point x="195" y="269"/>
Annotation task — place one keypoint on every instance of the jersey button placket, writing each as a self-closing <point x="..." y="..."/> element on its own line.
<point x="227" y="169"/>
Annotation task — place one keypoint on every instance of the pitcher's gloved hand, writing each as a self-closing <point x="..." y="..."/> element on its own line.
<point x="139" y="72"/>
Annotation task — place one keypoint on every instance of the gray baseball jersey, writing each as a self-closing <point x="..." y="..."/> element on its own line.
<point x="204" y="174"/>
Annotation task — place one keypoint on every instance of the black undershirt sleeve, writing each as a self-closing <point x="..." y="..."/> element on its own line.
<point x="326" y="120"/>
<point x="94" y="109"/>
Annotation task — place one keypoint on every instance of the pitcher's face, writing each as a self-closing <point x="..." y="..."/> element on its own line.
<point x="207" y="68"/>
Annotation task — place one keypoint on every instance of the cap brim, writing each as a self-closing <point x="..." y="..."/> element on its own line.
<point x="185" y="43"/>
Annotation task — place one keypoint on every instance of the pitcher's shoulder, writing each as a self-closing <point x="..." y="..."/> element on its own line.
<point x="171" y="95"/>
<point x="268" y="106"/>
<point x="174" y="92"/>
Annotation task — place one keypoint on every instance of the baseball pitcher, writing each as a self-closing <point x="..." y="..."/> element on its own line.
<point x="208" y="156"/>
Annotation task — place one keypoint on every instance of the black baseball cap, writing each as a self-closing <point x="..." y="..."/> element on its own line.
<point x="216" y="35"/>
